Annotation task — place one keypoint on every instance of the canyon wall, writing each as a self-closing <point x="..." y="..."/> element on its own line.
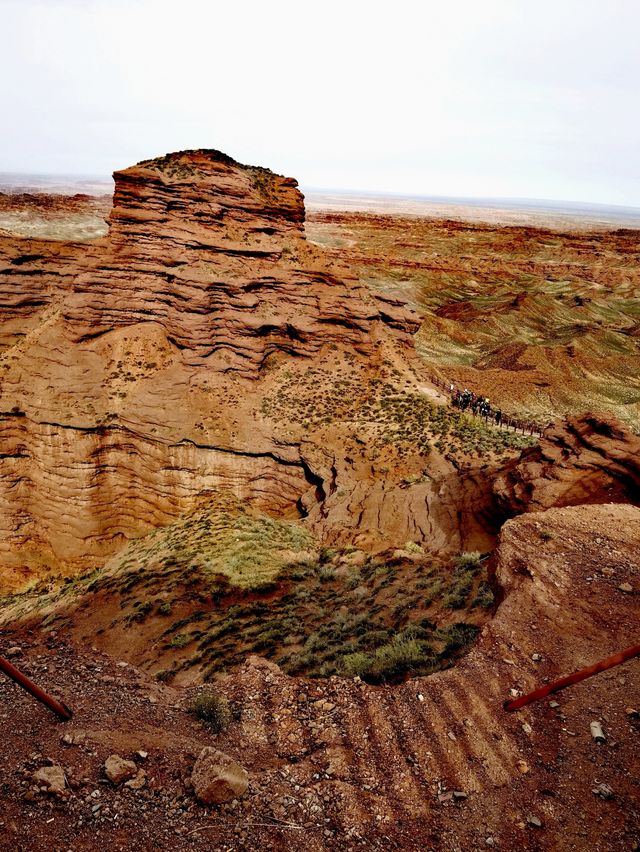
<point x="132" y="367"/>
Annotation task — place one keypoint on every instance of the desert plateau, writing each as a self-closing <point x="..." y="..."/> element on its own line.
<point x="293" y="500"/>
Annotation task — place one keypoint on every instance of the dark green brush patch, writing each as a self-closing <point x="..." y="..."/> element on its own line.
<point x="372" y="621"/>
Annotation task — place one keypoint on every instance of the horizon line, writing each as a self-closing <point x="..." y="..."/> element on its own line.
<point x="354" y="191"/>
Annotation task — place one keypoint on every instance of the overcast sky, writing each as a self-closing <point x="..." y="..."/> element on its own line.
<point x="484" y="98"/>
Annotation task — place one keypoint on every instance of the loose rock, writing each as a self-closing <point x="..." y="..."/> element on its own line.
<point x="51" y="777"/>
<point x="117" y="769"/>
<point x="217" y="778"/>
<point x="604" y="791"/>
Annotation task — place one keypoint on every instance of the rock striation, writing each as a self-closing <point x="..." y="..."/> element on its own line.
<point x="143" y="372"/>
<point x="215" y="251"/>
<point x="587" y="459"/>
<point x="132" y="367"/>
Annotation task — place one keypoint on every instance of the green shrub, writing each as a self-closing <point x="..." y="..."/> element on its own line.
<point x="468" y="562"/>
<point x="356" y="664"/>
<point x="397" y="658"/>
<point x="374" y="638"/>
<point x="457" y="597"/>
<point x="212" y="709"/>
<point x="353" y="580"/>
<point x="326" y="573"/>
<point x="484" y="596"/>
<point x="457" y="636"/>
<point x="179" y="640"/>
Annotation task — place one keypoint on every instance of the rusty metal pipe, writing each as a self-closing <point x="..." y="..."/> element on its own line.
<point x="576" y="677"/>
<point x="61" y="710"/>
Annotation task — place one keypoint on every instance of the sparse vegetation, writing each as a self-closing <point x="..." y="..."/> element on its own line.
<point x="330" y="612"/>
<point x="390" y="417"/>
<point x="213" y="709"/>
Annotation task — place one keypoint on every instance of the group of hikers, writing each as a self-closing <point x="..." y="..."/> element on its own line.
<point x="478" y="405"/>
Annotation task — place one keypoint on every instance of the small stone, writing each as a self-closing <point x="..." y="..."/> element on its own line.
<point x="451" y="736"/>
<point x="14" y="651"/>
<point x="217" y="778"/>
<point x="536" y="657"/>
<point x="143" y="754"/>
<point x="526" y="727"/>
<point x="627" y="588"/>
<point x="459" y="794"/>
<point x="597" y="733"/>
<point x="534" y="821"/>
<point x="607" y="572"/>
<point x="489" y="841"/>
<point x="632" y="712"/>
<point x="604" y="791"/>
<point x="553" y="705"/>
<point x="138" y="782"/>
<point x="420" y="697"/>
<point x="117" y="769"/>
<point x="523" y="767"/>
<point x="51" y="779"/>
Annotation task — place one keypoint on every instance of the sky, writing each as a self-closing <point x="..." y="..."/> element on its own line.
<point x="468" y="98"/>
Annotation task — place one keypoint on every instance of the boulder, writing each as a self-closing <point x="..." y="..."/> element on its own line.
<point x="217" y="778"/>
<point x="117" y="769"/>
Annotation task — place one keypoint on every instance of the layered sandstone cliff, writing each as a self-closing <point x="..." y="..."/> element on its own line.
<point x="134" y="366"/>
<point x="203" y="346"/>
<point x="215" y="252"/>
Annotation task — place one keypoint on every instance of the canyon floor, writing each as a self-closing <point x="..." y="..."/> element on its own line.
<point x="229" y="462"/>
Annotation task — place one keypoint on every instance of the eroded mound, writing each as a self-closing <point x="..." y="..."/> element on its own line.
<point x="588" y="459"/>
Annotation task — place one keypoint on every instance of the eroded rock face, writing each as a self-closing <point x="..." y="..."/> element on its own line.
<point x="75" y="493"/>
<point x="134" y="366"/>
<point x="215" y="251"/>
<point x="588" y="459"/>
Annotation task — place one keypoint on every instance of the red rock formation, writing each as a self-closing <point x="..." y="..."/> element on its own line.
<point x="135" y="369"/>
<point x="588" y="459"/>
<point x="124" y="374"/>
<point x="215" y="252"/>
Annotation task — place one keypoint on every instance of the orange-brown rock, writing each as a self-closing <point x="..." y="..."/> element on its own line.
<point x="588" y="459"/>
<point x="134" y="366"/>
<point x="215" y="252"/>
